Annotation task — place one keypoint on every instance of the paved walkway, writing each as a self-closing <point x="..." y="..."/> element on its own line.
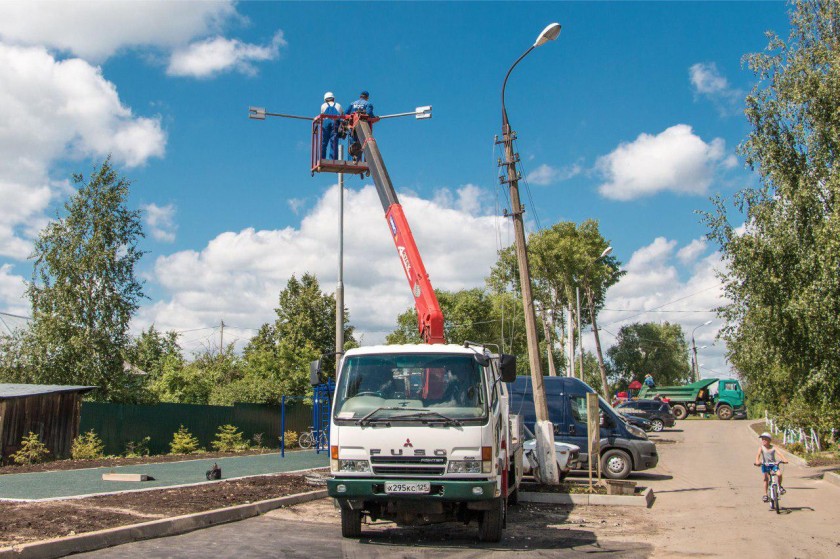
<point x="69" y="483"/>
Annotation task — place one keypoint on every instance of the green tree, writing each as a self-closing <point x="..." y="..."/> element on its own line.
<point x="650" y="348"/>
<point x="84" y="291"/>
<point x="152" y="349"/>
<point x="781" y="324"/>
<point x="563" y="257"/>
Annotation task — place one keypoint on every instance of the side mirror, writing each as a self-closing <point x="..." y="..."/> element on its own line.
<point x="481" y="359"/>
<point x="602" y="419"/>
<point x="507" y="364"/>
<point x="315" y="372"/>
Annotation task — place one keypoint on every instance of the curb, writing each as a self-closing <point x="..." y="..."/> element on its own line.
<point x="644" y="500"/>
<point x="832" y="478"/>
<point x="798" y="460"/>
<point x="91" y="541"/>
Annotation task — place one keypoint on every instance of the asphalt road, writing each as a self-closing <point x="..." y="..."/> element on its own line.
<point x="708" y="505"/>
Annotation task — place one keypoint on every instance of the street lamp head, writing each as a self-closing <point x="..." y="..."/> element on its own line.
<point x="606" y="252"/>
<point x="548" y="34"/>
<point x="707" y="323"/>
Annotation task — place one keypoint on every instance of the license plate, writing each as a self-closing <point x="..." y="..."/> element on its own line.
<point x="407" y="487"/>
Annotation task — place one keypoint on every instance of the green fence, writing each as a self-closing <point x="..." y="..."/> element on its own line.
<point x="118" y="424"/>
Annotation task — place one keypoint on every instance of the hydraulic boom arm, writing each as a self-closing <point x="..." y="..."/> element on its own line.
<point x="429" y="315"/>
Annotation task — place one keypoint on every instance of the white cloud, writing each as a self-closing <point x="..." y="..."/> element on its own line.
<point x="692" y="250"/>
<point x="210" y="57"/>
<point x="545" y="174"/>
<point x="653" y="284"/>
<point x="161" y="221"/>
<point x="707" y="81"/>
<point x="12" y="292"/>
<point x="238" y="275"/>
<point x="675" y="160"/>
<point x="53" y="110"/>
<point x="96" y="30"/>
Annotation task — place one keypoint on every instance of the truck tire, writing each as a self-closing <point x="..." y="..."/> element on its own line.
<point x="724" y="412"/>
<point x="679" y="411"/>
<point x="616" y="464"/>
<point x="491" y="522"/>
<point x="351" y="523"/>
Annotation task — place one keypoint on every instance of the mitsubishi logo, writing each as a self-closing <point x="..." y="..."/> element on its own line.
<point x="408" y="443"/>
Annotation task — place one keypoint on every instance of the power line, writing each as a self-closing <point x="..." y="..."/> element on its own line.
<point x="663" y="305"/>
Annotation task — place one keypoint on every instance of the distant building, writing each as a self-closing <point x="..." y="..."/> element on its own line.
<point x="50" y="411"/>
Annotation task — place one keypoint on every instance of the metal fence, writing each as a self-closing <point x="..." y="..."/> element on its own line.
<point x="119" y="424"/>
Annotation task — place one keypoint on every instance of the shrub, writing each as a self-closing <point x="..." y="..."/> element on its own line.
<point x="258" y="440"/>
<point x="137" y="449"/>
<point x="32" y="450"/>
<point x="183" y="442"/>
<point x="87" y="446"/>
<point x="229" y="439"/>
<point x="796" y="448"/>
<point x="291" y="438"/>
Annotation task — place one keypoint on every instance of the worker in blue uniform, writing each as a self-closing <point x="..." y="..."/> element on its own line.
<point x="362" y="105"/>
<point x="329" y="126"/>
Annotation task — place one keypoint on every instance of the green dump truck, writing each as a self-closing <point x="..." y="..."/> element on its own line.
<point x="697" y="397"/>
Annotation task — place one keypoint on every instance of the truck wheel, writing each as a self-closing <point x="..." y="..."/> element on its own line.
<point x="351" y="523"/>
<point x="616" y="464"/>
<point x="724" y="412"/>
<point x="679" y="411"/>
<point x="657" y="425"/>
<point x="491" y="522"/>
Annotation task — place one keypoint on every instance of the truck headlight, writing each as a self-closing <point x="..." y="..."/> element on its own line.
<point x="353" y="466"/>
<point x="464" y="467"/>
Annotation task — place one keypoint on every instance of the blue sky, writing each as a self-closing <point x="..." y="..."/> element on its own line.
<point x="631" y="117"/>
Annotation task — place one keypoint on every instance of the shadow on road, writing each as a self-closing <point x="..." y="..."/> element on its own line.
<point x="650" y="477"/>
<point x="788" y="510"/>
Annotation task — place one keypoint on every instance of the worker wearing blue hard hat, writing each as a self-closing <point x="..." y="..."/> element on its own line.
<point x="361" y="105"/>
<point x="329" y="126"/>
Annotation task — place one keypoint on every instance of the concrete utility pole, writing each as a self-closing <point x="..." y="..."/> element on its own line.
<point x="570" y="343"/>
<point x="222" y="337"/>
<point x="695" y="366"/>
<point x="339" y="288"/>
<point x="546" y="456"/>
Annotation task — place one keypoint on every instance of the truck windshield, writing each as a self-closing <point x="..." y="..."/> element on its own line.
<point x="451" y="385"/>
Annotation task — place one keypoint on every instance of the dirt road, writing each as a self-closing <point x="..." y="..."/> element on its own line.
<point x="708" y="505"/>
<point x="711" y="506"/>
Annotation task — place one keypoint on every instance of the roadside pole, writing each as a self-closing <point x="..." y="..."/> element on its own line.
<point x="593" y="431"/>
<point x="339" y="288"/>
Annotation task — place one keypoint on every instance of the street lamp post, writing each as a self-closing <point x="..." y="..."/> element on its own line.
<point x="694" y="350"/>
<point x="546" y="456"/>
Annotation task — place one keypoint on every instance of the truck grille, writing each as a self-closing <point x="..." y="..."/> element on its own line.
<point x="408" y="465"/>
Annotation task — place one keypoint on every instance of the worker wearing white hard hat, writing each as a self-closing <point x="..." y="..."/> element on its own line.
<point x="329" y="126"/>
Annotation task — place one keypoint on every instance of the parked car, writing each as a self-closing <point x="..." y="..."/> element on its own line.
<point x="636" y="420"/>
<point x="658" y="413"/>
<point x="624" y="448"/>
<point x="568" y="456"/>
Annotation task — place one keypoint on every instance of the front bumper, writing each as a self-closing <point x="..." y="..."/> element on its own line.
<point x="373" y="489"/>
<point x="740" y="412"/>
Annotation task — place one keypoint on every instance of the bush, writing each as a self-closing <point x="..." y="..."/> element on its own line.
<point x="137" y="449"/>
<point x="291" y="438"/>
<point x="229" y="439"/>
<point x="796" y="448"/>
<point x="32" y="450"/>
<point x="257" y="440"/>
<point x="183" y="442"/>
<point x="87" y="446"/>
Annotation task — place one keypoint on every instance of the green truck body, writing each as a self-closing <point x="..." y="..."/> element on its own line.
<point x="696" y="398"/>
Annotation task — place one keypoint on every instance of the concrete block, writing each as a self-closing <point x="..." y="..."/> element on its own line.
<point x="554" y="498"/>
<point x="645" y="499"/>
<point x="125" y="477"/>
<point x="832" y="478"/>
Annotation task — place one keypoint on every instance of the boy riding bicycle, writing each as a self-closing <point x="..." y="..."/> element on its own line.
<point x="769" y="457"/>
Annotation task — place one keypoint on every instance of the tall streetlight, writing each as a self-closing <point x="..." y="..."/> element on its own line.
<point x="694" y="349"/>
<point x="605" y="387"/>
<point x="546" y="456"/>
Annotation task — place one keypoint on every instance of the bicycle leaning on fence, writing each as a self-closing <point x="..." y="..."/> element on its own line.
<point x="309" y="438"/>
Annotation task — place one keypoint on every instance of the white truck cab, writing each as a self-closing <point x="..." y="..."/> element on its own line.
<point x="422" y="434"/>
